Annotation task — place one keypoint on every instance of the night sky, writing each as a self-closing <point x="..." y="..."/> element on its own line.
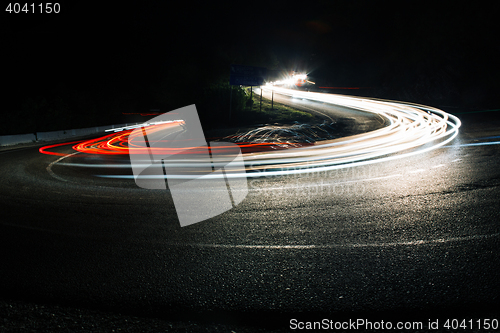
<point x="137" y="57"/>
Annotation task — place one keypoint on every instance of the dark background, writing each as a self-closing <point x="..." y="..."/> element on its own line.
<point x="92" y="64"/>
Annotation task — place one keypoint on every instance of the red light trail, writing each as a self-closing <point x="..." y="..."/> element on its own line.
<point x="118" y="144"/>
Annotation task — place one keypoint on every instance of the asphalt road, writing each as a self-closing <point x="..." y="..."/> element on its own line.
<point x="415" y="238"/>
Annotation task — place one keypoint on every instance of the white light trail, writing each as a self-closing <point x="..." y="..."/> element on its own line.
<point x="413" y="129"/>
<point x="124" y="128"/>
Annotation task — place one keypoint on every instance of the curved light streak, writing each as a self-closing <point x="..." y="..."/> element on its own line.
<point x="118" y="143"/>
<point x="412" y="129"/>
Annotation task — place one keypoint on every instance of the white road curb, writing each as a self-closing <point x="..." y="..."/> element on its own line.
<point x="9" y="140"/>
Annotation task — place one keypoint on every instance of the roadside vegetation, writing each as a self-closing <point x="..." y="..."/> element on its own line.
<point x="268" y="112"/>
<point x="246" y="110"/>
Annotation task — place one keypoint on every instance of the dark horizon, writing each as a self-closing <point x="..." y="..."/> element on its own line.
<point x="134" y="58"/>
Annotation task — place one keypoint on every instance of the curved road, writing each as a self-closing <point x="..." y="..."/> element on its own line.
<point x="415" y="238"/>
